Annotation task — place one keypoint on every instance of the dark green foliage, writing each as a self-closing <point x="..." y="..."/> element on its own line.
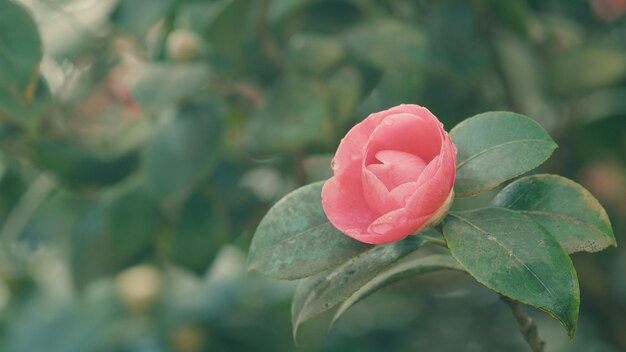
<point x="155" y="135"/>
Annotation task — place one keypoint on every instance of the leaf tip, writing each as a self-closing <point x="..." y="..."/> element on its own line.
<point x="294" y="332"/>
<point x="571" y="327"/>
<point x="250" y="263"/>
<point x="335" y="318"/>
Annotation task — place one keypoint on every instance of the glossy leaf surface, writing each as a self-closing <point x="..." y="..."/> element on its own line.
<point x="497" y="146"/>
<point x="564" y="208"/>
<point x="511" y="254"/>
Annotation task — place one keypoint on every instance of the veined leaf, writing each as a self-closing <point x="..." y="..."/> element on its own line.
<point x="397" y="273"/>
<point x="497" y="146"/>
<point x="295" y="239"/>
<point x="564" y="208"/>
<point x="511" y="254"/>
<point x="319" y="293"/>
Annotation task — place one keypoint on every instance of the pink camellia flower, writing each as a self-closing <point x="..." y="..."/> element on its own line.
<point x="393" y="176"/>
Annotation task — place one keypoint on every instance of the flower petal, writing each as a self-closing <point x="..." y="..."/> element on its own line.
<point x="393" y="172"/>
<point x="376" y="194"/>
<point x="412" y="134"/>
<point x="352" y="146"/>
<point x="435" y="183"/>
<point x="394" y="226"/>
<point x="345" y="206"/>
<point x="396" y="168"/>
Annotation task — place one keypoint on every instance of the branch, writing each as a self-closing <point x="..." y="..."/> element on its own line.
<point x="527" y="326"/>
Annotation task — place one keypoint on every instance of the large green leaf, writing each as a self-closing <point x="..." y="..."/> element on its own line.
<point x="113" y="232"/>
<point x="496" y="146"/>
<point x="197" y="235"/>
<point x="396" y="273"/>
<point x="511" y="254"/>
<point x="319" y="293"/>
<point x="137" y="16"/>
<point x="159" y="85"/>
<point x="225" y="38"/>
<point x="602" y="104"/>
<point x="78" y="165"/>
<point x="295" y="239"/>
<point x="183" y="150"/>
<point x="571" y="73"/>
<point x="387" y="44"/>
<point x="132" y="218"/>
<point x="394" y="87"/>
<point x="20" y="54"/>
<point x="314" y="53"/>
<point x="564" y="208"/>
<point x="297" y="113"/>
<point x="513" y="14"/>
<point x="346" y="90"/>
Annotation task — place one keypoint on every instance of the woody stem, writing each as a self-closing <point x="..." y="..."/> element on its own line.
<point x="527" y="326"/>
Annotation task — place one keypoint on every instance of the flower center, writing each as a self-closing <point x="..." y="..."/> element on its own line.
<point x="396" y="168"/>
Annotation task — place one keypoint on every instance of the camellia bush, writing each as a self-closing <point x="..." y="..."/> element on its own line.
<point x="145" y="147"/>
<point x="396" y="175"/>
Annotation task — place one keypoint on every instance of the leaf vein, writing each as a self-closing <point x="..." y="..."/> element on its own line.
<point x="491" y="238"/>
<point x="472" y="157"/>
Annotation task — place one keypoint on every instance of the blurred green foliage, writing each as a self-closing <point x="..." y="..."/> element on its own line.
<point x="142" y="141"/>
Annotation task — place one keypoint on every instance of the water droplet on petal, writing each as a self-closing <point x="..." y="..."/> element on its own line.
<point x="381" y="229"/>
<point x="334" y="164"/>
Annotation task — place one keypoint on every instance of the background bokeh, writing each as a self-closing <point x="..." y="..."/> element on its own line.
<point x="154" y="135"/>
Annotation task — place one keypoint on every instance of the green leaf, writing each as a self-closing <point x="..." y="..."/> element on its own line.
<point x="571" y="73"/>
<point x="113" y="232"/>
<point x="387" y="44"/>
<point x="137" y="16"/>
<point x="225" y="38"/>
<point x="315" y="54"/>
<point x="297" y="113"/>
<point x="564" y="208"/>
<point x="511" y="254"/>
<point x="197" y="235"/>
<point x="132" y="218"/>
<point x="497" y="146"/>
<point x="396" y="273"/>
<point x="183" y="150"/>
<point x="20" y="54"/>
<point x="599" y="105"/>
<point x="395" y="87"/>
<point x="319" y="293"/>
<point x="295" y="239"/>
<point x="78" y="165"/>
<point x="159" y="85"/>
<point x="513" y="14"/>
<point x="345" y="86"/>
<point x="25" y="106"/>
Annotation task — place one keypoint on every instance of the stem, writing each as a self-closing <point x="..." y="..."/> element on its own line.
<point x="527" y="326"/>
